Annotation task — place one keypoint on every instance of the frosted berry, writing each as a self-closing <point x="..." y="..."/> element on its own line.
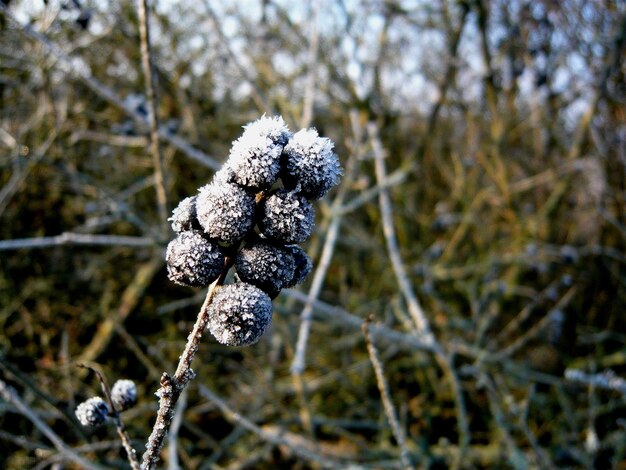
<point x="286" y="217"/>
<point x="184" y="216"/>
<point x="192" y="260"/>
<point x="266" y="266"/>
<point x="302" y="265"/>
<point x="274" y="128"/>
<point x="310" y="164"/>
<point x="92" y="412"/>
<point x="255" y="157"/>
<point x="225" y="211"/>
<point x="124" y="394"/>
<point x="239" y="314"/>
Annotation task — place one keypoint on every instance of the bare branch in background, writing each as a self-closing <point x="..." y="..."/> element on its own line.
<point x="383" y="388"/>
<point x="417" y="313"/>
<point x="69" y="238"/>
<point x="151" y="101"/>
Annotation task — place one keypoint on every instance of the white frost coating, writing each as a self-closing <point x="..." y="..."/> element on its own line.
<point x="184" y="216"/>
<point x="225" y="211"/>
<point x="286" y="217"/>
<point x="192" y="260"/>
<point x="124" y="394"/>
<point x="255" y="157"/>
<point x="311" y="164"/>
<point x="92" y="412"/>
<point x="239" y="314"/>
<point x="268" y="267"/>
<point x="274" y="128"/>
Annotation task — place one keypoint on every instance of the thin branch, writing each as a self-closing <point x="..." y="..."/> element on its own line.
<point x="312" y="63"/>
<point x="9" y="395"/>
<point x="383" y="388"/>
<point x="386" y="210"/>
<point x="153" y="120"/>
<point x="327" y="312"/>
<point x="297" y="367"/>
<point x="69" y="238"/>
<point x="109" y="139"/>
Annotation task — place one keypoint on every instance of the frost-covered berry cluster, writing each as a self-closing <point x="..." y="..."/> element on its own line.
<point x="95" y="411"/>
<point x="253" y="214"/>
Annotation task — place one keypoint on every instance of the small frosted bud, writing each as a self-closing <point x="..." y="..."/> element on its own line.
<point x="239" y="314"/>
<point x="192" y="260"/>
<point x="286" y="217"/>
<point x="266" y="266"/>
<point x="302" y="265"/>
<point x="92" y="412"/>
<point x="184" y="216"/>
<point x="225" y="211"/>
<point x="255" y="157"/>
<point x="310" y="163"/>
<point x="124" y="394"/>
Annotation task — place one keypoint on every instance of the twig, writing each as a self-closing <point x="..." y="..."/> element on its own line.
<point x="338" y="315"/>
<point x="69" y="238"/>
<point x="153" y="120"/>
<point x="172" y="386"/>
<point x="10" y="396"/>
<point x="312" y="63"/>
<point x="415" y="310"/>
<point x="383" y="388"/>
<point x="109" y="139"/>
<point x="297" y="366"/>
<point x="114" y="414"/>
<point x="607" y="379"/>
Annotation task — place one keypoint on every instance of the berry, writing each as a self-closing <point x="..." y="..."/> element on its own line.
<point x="92" y="412"/>
<point x="266" y="266"/>
<point x="310" y="164"/>
<point x="286" y="217"/>
<point x="274" y="128"/>
<point x="184" y="216"/>
<point x="302" y="264"/>
<point x="239" y="314"/>
<point x="124" y="394"/>
<point x="225" y="211"/>
<point x="254" y="160"/>
<point x="192" y="260"/>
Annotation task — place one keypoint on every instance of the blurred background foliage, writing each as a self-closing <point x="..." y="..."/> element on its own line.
<point x="503" y="127"/>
